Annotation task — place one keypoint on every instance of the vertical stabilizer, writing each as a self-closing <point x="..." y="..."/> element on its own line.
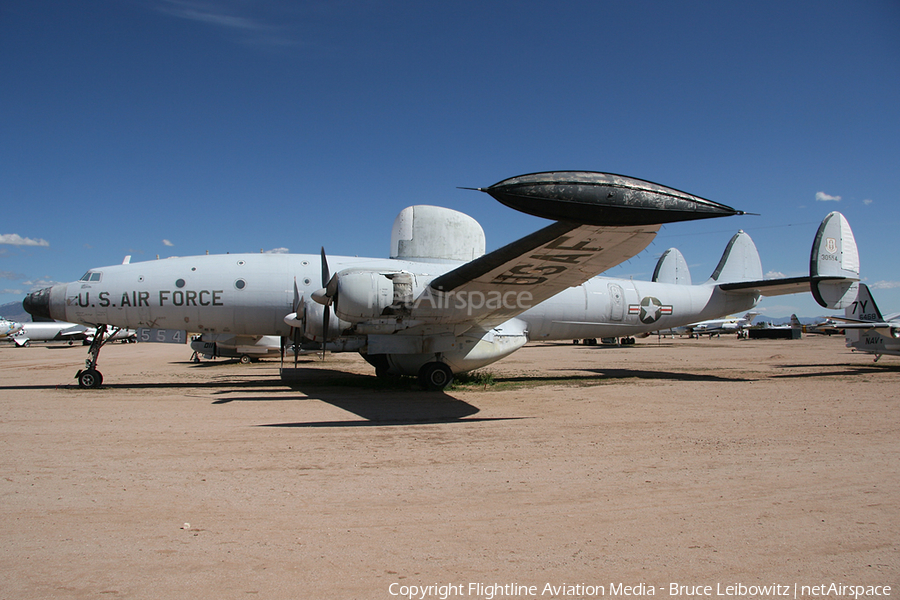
<point x="859" y="336"/>
<point x="672" y="268"/>
<point x="739" y="262"/>
<point x="834" y="263"/>
<point x="864" y="309"/>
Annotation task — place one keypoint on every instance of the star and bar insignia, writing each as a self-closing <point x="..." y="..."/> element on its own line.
<point x="650" y="309"/>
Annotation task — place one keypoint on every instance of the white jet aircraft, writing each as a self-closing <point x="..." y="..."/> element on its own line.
<point x="718" y="326"/>
<point x="8" y="328"/>
<point x="244" y="348"/>
<point x="441" y="306"/>
<point x="866" y="330"/>
<point x="49" y="331"/>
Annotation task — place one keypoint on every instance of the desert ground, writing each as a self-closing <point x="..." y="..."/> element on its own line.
<point x="711" y="462"/>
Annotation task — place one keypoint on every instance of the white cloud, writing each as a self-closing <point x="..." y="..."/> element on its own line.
<point x="867" y="201"/>
<point x="15" y="239"/>
<point x="885" y="285"/>
<point x="823" y="197"/>
<point x="278" y="251"/>
<point x="233" y="16"/>
<point x="774" y="275"/>
<point x="167" y="243"/>
<point x="8" y="291"/>
<point x="38" y="284"/>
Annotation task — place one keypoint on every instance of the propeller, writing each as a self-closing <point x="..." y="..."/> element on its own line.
<point x="295" y="331"/>
<point x="326" y="276"/>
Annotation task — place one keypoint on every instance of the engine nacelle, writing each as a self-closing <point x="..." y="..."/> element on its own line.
<point x="364" y="295"/>
<point x="314" y="321"/>
<point x="895" y="332"/>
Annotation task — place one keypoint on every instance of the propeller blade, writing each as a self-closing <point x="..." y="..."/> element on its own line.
<point x="295" y="331"/>
<point x="298" y="335"/>
<point x="326" y="275"/>
<point x="325" y="318"/>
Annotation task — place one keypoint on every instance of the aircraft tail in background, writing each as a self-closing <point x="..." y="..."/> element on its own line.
<point x="866" y="330"/>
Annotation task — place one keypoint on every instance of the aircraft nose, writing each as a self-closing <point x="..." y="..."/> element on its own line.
<point x="37" y="304"/>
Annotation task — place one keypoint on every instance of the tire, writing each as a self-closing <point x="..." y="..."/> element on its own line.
<point x="435" y="376"/>
<point x="245" y="360"/>
<point x="90" y="378"/>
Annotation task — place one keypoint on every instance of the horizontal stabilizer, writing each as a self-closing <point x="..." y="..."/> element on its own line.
<point x="834" y="263"/>
<point x="672" y="268"/>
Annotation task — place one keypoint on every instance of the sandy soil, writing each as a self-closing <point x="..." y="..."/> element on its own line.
<point x="695" y="462"/>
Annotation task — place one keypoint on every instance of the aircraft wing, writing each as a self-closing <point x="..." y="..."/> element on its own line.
<point x="504" y="283"/>
<point x="601" y="219"/>
<point x="850" y="323"/>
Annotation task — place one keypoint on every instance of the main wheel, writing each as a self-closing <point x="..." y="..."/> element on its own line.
<point x="435" y="376"/>
<point x="90" y="378"/>
<point x="245" y="360"/>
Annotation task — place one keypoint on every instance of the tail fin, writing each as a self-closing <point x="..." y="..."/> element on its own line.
<point x="739" y="262"/>
<point x="834" y="263"/>
<point x="863" y="308"/>
<point x="795" y="322"/>
<point x="866" y="329"/>
<point x="672" y="268"/>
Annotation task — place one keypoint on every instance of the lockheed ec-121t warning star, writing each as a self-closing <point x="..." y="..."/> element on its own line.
<point x="440" y="305"/>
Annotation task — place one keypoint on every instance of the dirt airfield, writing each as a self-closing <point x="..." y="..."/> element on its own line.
<point x="695" y="462"/>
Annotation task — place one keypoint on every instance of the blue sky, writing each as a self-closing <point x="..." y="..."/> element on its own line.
<point x="176" y="127"/>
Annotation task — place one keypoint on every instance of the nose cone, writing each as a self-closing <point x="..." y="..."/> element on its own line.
<point x="37" y="304"/>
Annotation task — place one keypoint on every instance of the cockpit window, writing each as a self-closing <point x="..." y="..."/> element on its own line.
<point x="91" y="276"/>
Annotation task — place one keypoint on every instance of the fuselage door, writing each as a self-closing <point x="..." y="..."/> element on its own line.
<point x="616" y="302"/>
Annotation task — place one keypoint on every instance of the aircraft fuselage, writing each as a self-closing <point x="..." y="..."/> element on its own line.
<point x="250" y="294"/>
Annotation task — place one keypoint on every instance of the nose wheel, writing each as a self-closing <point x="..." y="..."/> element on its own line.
<point x="90" y="377"/>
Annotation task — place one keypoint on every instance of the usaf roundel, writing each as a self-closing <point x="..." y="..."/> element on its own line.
<point x="650" y="309"/>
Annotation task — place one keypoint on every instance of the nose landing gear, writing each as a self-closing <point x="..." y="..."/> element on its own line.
<point x="90" y="377"/>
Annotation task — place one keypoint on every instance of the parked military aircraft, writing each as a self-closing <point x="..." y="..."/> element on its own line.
<point x="49" y="331"/>
<point x="441" y="306"/>
<point x="8" y="328"/>
<point x="245" y="348"/>
<point x="713" y="327"/>
<point x="866" y="330"/>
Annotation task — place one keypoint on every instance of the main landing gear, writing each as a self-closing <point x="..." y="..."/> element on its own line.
<point x="90" y="377"/>
<point x="435" y="376"/>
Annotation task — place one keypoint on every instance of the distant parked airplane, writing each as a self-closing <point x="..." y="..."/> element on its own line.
<point x="866" y="330"/>
<point x="8" y="328"/>
<point x="51" y="331"/>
